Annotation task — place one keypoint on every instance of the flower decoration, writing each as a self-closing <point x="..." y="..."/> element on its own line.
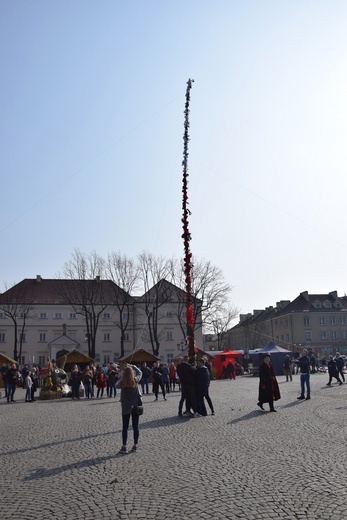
<point x="186" y="233"/>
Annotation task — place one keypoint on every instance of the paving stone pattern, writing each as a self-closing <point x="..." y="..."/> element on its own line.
<point x="59" y="459"/>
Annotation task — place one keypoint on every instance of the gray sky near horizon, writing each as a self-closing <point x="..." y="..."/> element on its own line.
<point x="92" y="102"/>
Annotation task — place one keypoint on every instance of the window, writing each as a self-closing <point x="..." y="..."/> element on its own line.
<point x="21" y="315"/>
<point x="58" y="316"/>
<point x="42" y="361"/>
<point x="42" y="337"/>
<point x="2" y="315"/>
<point x="125" y="315"/>
<point x="107" y="359"/>
<point x="2" y="337"/>
<point x="106" y="336"/>
<point x="169" y="336"/>
<point x="323" y="335"/>
<point x="169" y="314"/>
<point x="43" y="315"/>
<point x="97" y="358"/>
<point x="332" y="320"/>
<point x="126" y="336"/>
<point x="344" y="334"/>
<point x="106" y="316"/>
<point x="21" y="360"/>
<point x="72" y="315"/>
<point x="308" y="335"/>
<point x="321" y="321"/>
<point x="22" y="337"/>
<point x="116" y="356"/>
<point x="343" y="320"/>
<point x="169" y="359"/>
<point x="307" y="321"/>
<point x="334" y="334"/>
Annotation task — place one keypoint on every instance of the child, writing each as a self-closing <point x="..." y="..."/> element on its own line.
<point x="28" y="385"/>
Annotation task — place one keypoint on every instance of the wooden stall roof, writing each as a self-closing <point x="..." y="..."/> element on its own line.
<point x="5" y="359"/>
<point x="78" y="358"/>
<point x="138" y="356"/>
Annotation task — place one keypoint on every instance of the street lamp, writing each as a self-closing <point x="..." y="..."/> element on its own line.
<point x="182" y="346"/>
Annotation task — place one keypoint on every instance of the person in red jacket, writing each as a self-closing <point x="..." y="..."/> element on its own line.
<point x="100" y="382"/>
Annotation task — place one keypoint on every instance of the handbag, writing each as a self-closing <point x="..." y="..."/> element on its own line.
<point x="138" y="408"/>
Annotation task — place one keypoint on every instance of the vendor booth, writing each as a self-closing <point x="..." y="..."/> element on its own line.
<point x="221" y="360"/>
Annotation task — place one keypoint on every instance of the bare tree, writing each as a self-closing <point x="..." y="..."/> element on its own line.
<point x="220" y="326"/>
<point x="210" y="293"/>
<point x="125" y="274"/>
<point x="16" y="305"/>
<point x="86" y="292"/>
<point x="158" y="291"/>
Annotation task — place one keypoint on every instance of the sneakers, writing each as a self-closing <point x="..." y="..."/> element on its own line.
<point x="134" y="448"/>
<point x="197" y="414"/>
<point x="123" y="450"/>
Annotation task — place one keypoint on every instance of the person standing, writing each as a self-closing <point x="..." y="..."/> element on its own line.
<point x="287" y="366"/>
<point x="100" y="382"/>
<point x="332" y="370"/>
<point x="157" y="378"/>
<point x="35" y="380"/>
<point x="112" y="380"/>
<point x="303" y="363"/>
<point x="76" y="378"/>
<point x="340" y="365"/>
<point x="186" y="373"/>
<point x="12" y="377"/>
<point x="172" y="374"/>
<point x="202" y="382"/>
<point x="166" y="378"/>
<point x="4" y="370"/>
<point x="129" y="397"/>
<point x="146" y="372"/>
<point x="87" y="382"/>
<point x="268" y="387"/>
<point x="28" y="386"/>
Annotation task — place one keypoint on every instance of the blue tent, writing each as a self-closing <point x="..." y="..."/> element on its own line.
<point x="278" y="355"/>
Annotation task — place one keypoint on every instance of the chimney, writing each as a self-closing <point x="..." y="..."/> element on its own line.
<point x="38" y="278"/>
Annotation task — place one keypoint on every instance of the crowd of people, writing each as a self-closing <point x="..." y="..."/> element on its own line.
<point x="192" y="379"/>
<point x="27" y="378"/>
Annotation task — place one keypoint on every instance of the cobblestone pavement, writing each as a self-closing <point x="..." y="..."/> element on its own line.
<point x="59" y="459"/>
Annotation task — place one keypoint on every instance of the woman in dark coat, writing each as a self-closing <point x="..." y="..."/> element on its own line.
<point x="268" y="387"/>
<point x="333" y="372"/>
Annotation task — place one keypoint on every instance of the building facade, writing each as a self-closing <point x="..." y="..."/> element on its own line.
<point x="315" y="321"/>
<point x="45" y="317"/>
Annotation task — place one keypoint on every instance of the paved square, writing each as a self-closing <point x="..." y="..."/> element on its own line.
<point x="59" y="459"/>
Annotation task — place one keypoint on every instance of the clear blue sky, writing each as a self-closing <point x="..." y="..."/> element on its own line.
<point x="92" y="101"/>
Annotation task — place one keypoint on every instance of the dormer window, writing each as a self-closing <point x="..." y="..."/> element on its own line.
<point x="317" y="304"/>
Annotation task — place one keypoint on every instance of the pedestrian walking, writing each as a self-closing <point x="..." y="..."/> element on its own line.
<point x="268" y="387"/>
<point x="340" y="365"/>
<point x="333" y="372"/>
